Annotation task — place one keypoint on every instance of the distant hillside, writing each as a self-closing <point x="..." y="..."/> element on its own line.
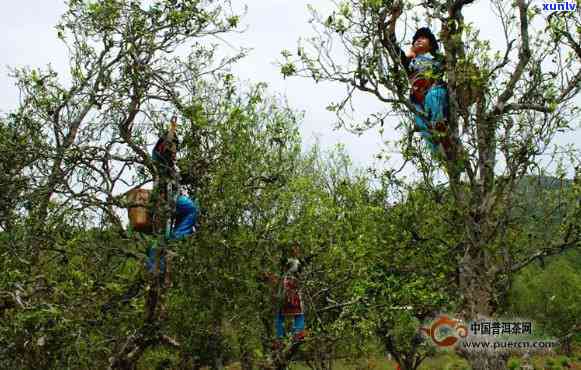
<point x="542" y="205"/>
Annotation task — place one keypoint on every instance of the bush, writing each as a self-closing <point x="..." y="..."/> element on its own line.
<point x="565" y="362"/>
<point x="513" y="364"/>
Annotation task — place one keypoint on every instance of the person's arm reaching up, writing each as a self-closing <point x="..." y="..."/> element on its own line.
<point x="387" y="32"/>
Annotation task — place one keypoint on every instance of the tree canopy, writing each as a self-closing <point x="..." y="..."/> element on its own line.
<point x="380" y="254"/>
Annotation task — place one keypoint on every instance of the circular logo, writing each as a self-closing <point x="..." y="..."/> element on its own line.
<point x="445" y="325"/>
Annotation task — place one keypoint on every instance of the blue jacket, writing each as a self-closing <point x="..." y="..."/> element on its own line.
<point x="426" y="65"/>
<point x="187" y="212"/>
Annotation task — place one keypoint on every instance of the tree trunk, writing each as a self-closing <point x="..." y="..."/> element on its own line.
<point x="476" y="286"/>
<point x="216" y="347"/>
<point x="477" y="289"/>
<point x="409" y="362"/>
<point x="566" y="347"/>
<point x="246" y="358"/>
<point x="283" y="357"/>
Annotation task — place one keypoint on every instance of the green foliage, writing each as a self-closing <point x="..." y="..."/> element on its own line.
<point x="288" y="69"/>
<point x="546" y="291"/>
<point x="513" y="364"/>
<point x="565" y="362"/>
<point x="456" y="248"/>
<point x="379" y="257"/>
<point x="549" y="295"/>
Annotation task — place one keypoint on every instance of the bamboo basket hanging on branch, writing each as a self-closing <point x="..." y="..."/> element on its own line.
<point x="138" y="212"/>
<point x="471" y="84"/>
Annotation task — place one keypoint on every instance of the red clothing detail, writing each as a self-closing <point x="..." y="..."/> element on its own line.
<point x="420" y="86"/>
<point x="292" y="303"/>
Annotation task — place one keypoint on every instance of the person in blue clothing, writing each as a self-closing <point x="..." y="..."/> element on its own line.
<point x="428" y="91"/>
<point x="186" y="213"/>
<point x="186" y="217"/>
<point x="425" y="66"/>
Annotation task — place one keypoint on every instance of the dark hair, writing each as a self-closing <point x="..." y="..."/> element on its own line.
<point x="427" y="33"/>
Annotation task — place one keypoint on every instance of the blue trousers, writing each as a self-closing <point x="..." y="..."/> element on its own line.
<point x="436" y="108"/>
<point x="298" y="324"/>
<point x="151" y="259"/>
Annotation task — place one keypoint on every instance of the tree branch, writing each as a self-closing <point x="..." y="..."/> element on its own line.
<point x="524" y="58"/>
<point x="546" y="252"/>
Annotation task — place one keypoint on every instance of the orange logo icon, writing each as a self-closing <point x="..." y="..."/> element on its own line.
<point x="444" y="323"/>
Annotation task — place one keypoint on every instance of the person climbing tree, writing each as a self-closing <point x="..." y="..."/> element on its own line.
<point x="424" y="67"/>
<point x="287" y="298"/>
<point x="181" y="222"/>
<point x="164" y="156"/>
<point x="186" y="216"/>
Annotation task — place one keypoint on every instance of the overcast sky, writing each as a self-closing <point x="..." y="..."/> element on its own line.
<point x="29" y="38"/>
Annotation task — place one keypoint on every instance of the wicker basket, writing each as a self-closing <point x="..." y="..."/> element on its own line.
<point x="138" y="211"/>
